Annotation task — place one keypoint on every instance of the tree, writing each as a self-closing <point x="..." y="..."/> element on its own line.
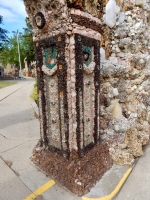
<point x="3" y="32"/>
<point x="28" y="43"/>
<point x="9" y="53"/>
<point x="4" y="53"/>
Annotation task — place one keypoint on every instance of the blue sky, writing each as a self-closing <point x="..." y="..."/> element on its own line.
<point x="13" y="12"/>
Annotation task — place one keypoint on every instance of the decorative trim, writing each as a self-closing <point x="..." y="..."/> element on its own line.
<point x="86" y="15"/>
<point x="88" y="23"/>
<point x="48" y="71"/>
<point x="80" y="68"/>
<point x="76" y="5"/>
<point x="61" y="68"/>
<point x="41" y="16"/>
<point x="90" y="68"/>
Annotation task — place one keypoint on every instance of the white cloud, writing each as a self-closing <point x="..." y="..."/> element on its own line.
<point x="7" y="15"/>
<point x="12" y="10"/>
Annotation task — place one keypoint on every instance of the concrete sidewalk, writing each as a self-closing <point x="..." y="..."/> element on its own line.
<point x="6" y="91"/>
<point x="20" y="132"/>
<point x="11" y="187"/>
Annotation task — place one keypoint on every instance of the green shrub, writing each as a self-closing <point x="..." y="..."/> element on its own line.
<point x="34" y="94"/>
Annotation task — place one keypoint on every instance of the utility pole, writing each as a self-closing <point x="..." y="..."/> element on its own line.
<point x="17" y="34"/>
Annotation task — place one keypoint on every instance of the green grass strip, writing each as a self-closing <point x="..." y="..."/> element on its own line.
<point x="5" y="84"/>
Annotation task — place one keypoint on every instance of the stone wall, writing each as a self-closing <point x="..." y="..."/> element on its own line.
<point x="124" y="98"/>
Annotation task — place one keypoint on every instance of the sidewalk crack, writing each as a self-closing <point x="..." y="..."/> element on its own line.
<point x="18" y="140"/>
<point x="14" y="147"/>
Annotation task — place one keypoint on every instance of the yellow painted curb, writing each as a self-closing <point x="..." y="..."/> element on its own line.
<point x="40" y="190"/>
<point x="116" y="190"/>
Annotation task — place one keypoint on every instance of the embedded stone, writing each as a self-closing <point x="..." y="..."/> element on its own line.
<point x="129" y="19"/>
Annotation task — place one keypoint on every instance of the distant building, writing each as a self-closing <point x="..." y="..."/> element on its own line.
<point x="9" y="68"/>
<point x="1" y="71"/>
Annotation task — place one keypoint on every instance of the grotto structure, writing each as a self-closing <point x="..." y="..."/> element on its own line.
<point x="93" y="69"/>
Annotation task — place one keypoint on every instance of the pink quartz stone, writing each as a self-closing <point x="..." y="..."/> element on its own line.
<point x="65" y="9"/>
<point x="69" y="32"/>
<point x="74" y="130"/>
<point x="74" y="30"/>
<point x="73" y="111"/>
<point x="68" y="78"/>
<point x="72" y="63"/>
<point x="98" y="35"/>
<point x="74" y="126"/>
<point x="73" y="105"/>
<point x="72" y="72"/>
<point x="70" y="123"/>
<point x="70" y="116"/>
<point x="72" y="79"/>
<point x="70" y="126"/>
<point x="72" y="47"/>
<point x="61" y="2"/>
<point x="72" y="55"/>
<point x="84" y="14"/>
<point x="72" y="41"/>
<point x="68" y="71"/>
<point x="70" y="107"/>
<point x="69" y="96"/>
<point x="67" y="40"/>
<point x="73" y="93"/>
<point x="64" y="15"/>
<point x="72" y="11"/>
<point x="93" y="92"/>
<point x="77" y="12"/>
<point x="71" y="85"/>
<point x="73" y="99"/>
<point x="89" y="16"/>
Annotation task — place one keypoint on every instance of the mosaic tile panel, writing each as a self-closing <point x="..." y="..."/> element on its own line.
<point x="41" y="116"/>
<point x="52" y="73"/>
<point x="87" y="54"/>
<point x="50" y="56"/>
<point x="89" y="107"/>
<point x="62" y="122"/>
<point x="87" y="88"/>
<point x="82" y="115"/>
<point x="81" y="121"/>
<point x="53" y="110"/>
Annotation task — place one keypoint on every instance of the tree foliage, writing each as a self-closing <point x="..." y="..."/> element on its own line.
<point x="27" y="42"/>
<point x="9" y="53"/>
<point x="3" y="34"/>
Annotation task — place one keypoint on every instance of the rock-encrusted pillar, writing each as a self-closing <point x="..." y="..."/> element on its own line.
<point x="67" y="45"/>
